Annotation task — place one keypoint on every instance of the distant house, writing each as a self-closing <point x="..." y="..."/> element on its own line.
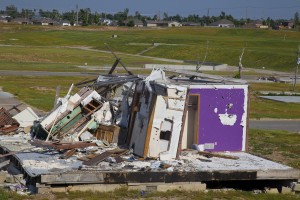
<point x="174" y="24"/>
<point x="136" y="22"/>
<point x="222" y="23"/>
<point x="106" y="21"/>
<point x="190" y="24"/>
<point x="66" y="23"/>
<point x="150" y="23"/>
<point x="288" y="24"/>
<point x="256" y="24"/>
<point x="4" y="18"/>
<point x="21" y="21"/>
<point x="45" y="22"/>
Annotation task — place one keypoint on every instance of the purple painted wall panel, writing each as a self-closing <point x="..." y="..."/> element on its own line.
<point x="220" y="117"/>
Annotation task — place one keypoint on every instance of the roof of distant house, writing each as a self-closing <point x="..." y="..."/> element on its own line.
<point x="20" y="20"/>
<point x="222" y="21"/>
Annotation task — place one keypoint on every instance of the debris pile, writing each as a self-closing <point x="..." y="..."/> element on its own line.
<point x="128" y="123"/>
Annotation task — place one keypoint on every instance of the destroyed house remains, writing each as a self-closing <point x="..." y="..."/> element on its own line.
<point x="121" y="129"/>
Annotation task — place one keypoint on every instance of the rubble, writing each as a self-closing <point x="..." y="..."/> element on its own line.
<point x="127" y="128"/>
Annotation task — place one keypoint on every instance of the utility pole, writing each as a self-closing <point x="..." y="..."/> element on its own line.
<point x="76" y="14"/>
<point x="297" y="68"/>
<point x="246" y="16"/>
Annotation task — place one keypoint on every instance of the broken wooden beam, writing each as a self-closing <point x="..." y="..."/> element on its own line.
<point x="218" y="155"/>
<point x="97" y="159"/>
<point x="62" y="146"/>
<point x="68" y="154"/>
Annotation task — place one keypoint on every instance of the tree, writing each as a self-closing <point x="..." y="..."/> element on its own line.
<point x="222" y="15"/>
<point x="137" y="15"/>
<point x="55" y="14"/>
<point x="96" y="18"/>
<point x="177" y="18"/>
<point x="84" y="16"/>
<point x="166" y="17"/>
<point x="126" y="11"/>
<point x="130" y="23"/>
<point x="12" y="11"/>
<point x="296" y="18"/>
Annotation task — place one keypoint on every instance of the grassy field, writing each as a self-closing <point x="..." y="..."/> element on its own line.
<point x="264" y="48"/>
<point x="127" y="195"/>
<point x="263" y="108"/>
<point x="279" y="146"/>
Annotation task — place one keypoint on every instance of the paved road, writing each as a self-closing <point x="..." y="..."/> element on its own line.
<point x="272" y="124"/>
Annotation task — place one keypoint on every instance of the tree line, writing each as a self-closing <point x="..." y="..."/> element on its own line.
<point x="87" y="17"/>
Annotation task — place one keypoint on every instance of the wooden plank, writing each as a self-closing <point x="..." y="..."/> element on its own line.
<point x="68" y="154"/>
<point x="149" y="127"/>
<point x="248" y="118"/>
<point x="210" y="154"/>
<point x="183" y="125"/>
<point x="197" y="125"/>
<point x="134" y="104"/>
<point x="98" y="158"/>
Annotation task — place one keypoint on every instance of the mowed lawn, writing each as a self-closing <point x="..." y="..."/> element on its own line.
<point x="271" y="49"/>
<point x="48" y="49"/>
<point x="65" y="49"/>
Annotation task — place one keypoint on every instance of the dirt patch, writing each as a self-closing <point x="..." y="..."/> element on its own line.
<point x="41" y="88"/>
<point x="23" y="58"/>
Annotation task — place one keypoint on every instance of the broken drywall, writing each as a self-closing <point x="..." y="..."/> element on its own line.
<point x="26" y="117"/>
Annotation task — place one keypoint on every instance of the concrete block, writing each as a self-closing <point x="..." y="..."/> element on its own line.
<point x="182" y="186"/>
<point x="94" y="187"/>
<point x="58" y="189"/>
<point x="42" y="189"/>
<point x="9" y="178"/>
<point x="297" y="187"/>
<point x="137" y="187"/>
<point x="3" y="175"/>
<point x="271" y="190"/>
<point x="286" y="190"/>
<point x="163" y="187"/>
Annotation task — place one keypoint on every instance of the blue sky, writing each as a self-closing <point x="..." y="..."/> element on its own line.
<point x="255" y="9"/>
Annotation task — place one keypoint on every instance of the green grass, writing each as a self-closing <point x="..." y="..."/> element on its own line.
<point x="38" y="58"/>
<point x="263" y="108"/>
<point x="174" y="194"/>
<point x="123" y="193"/>
<point x="279" y="146"/>
<point x="264" y="48"/>
<point x="38" y="91"/>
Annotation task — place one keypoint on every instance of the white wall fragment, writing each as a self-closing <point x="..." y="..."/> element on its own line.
<point x="104" y="115"/>
<point x="90" y="97"/>
<point x="227" y="119"/>
<point x="26" y="117"/>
